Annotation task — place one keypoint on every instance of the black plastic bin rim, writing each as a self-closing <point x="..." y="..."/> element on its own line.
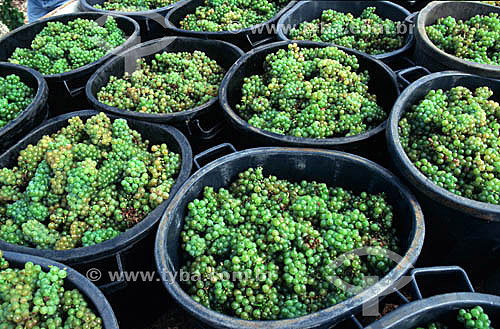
<point x="122" y="241"/>
<point x="408" y="42"/>
<point x="151" y="13"/>
<point x="87" y="288"/>
<point x="218" y="320"/>
<point x="41" y="93"/>
<point x="444" y="56"/>
<point x="303" y="141"/>
<point x="85" y="15"/>
<point x="457" y="300"/>
<point x="175" y="28"/>
<point x="145" y="116"/>
<point x="411" y="172"/>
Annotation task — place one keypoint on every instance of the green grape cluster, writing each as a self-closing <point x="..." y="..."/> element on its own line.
<point x="476" y="40"/>
<point x="33" y="298"/>
<point x="85" y="184"/>
<point x="368" y="33"/>
<point x="453" y="137"/>
<point x="15" y="97"/>
<point x="134" y="5"/>
<point x="174" y="82"/>
<point x="474" y="318"/>
<point x="310" y="92"/>
<point x="61" y="47"/>
<point x="265" y="248"/>
<point x="231" y="15"/>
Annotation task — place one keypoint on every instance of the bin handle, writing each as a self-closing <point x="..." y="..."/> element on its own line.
<point x="212" y="150"/>
<point x="111" y="287"/>
<point x="438" y="270"/>
<point x="356" y="322"/>
<point x="254" y="44"/>
<point x="408" y="62"/>
<point x="206" y="134"/>
<point x="402" y="78"/>
<point x="413" y="276"/>
<point x="410" y="19"/>
<point x="73" y="92"/>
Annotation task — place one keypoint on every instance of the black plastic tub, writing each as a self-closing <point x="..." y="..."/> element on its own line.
<point x="435" y="59"/>
<point x="34" y="114"/>
<point x="438" y="293"/>
<point x="469" y="229"/>
<point x="438" y="308"/>
<point x="151" y="22"/>
<point x="111" y="250"/>
<point x="306" y="11"/>
<point x="74" y="280"/>
<point x="66" y="90"/>
<point x="224" y="53"/>
<point x="383" y="83"/>
<point x="246" y="38"/>
<point x="331" y="167"/>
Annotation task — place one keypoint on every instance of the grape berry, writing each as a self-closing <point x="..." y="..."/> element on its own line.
<point x="134" y="5"/>
<point x="61" y="47"/>
<point x="452" y="137"/>
<point x="174" y="82"/>
<point x="310" y="92"/>
<point x="368" y="32"/>
<point x="266" y="248"/>
<point x="474" y="318"/>
<point x="476" y="40"/>
<point x="33" y="298"/>
<point x="15" y="97"/>
<point x="83" y="185"/>
<point x="230" y="15"/>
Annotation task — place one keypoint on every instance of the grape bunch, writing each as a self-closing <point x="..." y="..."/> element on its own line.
<point x="15" y="97"/>
<point x="83" y="185"/>
<point x="310" y="92"/>
<point x="134" y="5"/>
<point x="230" y="15"/>
<point x="33" y="298"/>
<point x="265" y="248"/>
<point x="452" y="137"/>
<point x="476" y="40"/>
<point x="174" y="82"/>
<point x="368" y="33"/>
<point x="61" y="47"/>
<point x="474" y="318"/>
